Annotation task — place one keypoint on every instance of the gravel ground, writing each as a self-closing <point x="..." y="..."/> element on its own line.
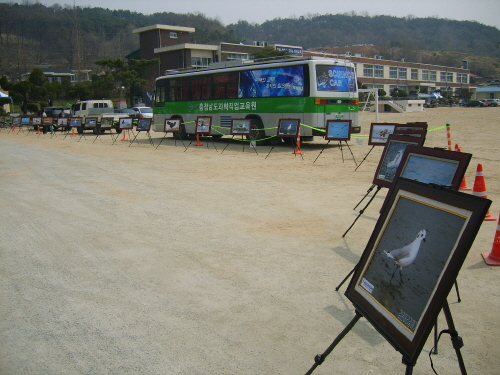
<point x="137" y="260"/>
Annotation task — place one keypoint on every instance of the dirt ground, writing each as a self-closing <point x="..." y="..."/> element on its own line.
<point x="132" y="259"/>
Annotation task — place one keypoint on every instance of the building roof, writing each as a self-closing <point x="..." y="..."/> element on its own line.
<point x="208" y="47"/>
<point x="164" y="27"/>
<point x="488" y="89"/>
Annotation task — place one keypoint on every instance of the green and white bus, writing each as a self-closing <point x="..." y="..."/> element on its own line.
<point x="313" y="90"/>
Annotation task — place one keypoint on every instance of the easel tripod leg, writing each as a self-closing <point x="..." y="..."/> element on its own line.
<point x="320" y="358"/>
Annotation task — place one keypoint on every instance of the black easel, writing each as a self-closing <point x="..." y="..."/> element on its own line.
<point x="455" y="340"/>
<point x="364" y="208"/>
<point x="242" y="142"/>
<point x="341" y="151"/>
<point x="364" y="158"/>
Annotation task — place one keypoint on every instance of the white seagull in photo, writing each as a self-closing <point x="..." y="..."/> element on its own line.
<point x="406" y="255"/>
<point x="396" y="161"/>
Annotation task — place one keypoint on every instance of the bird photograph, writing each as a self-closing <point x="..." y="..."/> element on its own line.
<point x="405" y="256"/>
<point x="415" y="241"/>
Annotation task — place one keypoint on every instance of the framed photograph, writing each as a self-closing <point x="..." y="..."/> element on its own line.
<point x="8" y="119"/>
<point x="126" y="123"/>
<point x="47" y="121"/>
<point x="434" y="166"/>
<point x="288" y="127"/>
<point x="2" y="119"/>
<point x="391" y="158"/>
<point x="412" y="259"/>
<point x="172" y="125"/>
<point x="144" y="124"/>
<point x="25" y="121"/>
<point x="203" y="124"/>
<point x="90" y="122"/>
<point x="75" y="122"/>
<point x="37" y="121"/>
<point x="106" y="123"/>
<point x="338" y="130"/>
<point x="62" y="122"/>
<point x="16" y="121"/>
<point x="241" y="126"/>
<point x="379" y="133"/>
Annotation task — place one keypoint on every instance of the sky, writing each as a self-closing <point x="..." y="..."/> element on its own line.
<point x="258" y="11"/>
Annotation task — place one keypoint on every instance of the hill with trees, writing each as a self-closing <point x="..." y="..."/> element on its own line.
<point x="34" y="35"/>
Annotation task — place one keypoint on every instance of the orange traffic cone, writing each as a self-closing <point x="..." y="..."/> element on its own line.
<point x="38" y="131"/>
<point x="124" y="138"/>
<point x="479" y="189"/>
<point x="297" y="148"/>
<point x="198" y="143"/>
<point x="463" y="184"/>
<point x="73" y="132"/>
<point x="493" y="258"/>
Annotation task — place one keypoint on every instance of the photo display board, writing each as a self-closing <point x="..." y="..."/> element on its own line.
<point x="412" y="260"/>
<point x="126" y="123"/>
<point x="47" y="120"/>
<point x="106" y="123"/>
<point x="203" y="124"/>
<point x="25" y="120"/>
<point x="338" y="130"/>
<point x="144" y="124"/>
<point x="391" y="158"/>
<point x="241" y="126"/>
<point x="172" y="125"/>
<point x="75" y="122"/>
<point x="90" y="122"/>
<point x="288" y="127"/>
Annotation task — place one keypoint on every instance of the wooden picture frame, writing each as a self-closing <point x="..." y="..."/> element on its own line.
<point x="36" y="121"/>
<point x="338" y="130"/>
<point x="47" y="121"/>
<point x="16" y="121"/>
<point x="241" y="126"/>
<point x="172" y="125"/>
<point x="126" y="123"/>
<point x="62" y="122"/>
<point x="203" y="124"/>
<point x="391" y="158"/>
<point x="25" y="121"/>
<point x="379" y="133"/>
<point x="90" y="122"/>
<point x="288" y="127"/>
<point x="144" y="124"/>
<point x="9" y="119"/>
<point x="404" y="308"/>
<point x="75" y="122"/>
<point x="106" y="123"/>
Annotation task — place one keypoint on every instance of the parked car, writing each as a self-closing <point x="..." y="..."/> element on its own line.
<point x="128" y="111"/>
<point x="143" y="112"/>
<point x="475" y="103"/>
<point x="492" y="102"/>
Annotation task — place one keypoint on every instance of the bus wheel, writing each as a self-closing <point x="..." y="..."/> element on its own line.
<point x="257" y="132"/>
<point x="181" y="134"/>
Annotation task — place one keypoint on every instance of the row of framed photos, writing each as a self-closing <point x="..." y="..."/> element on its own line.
<point x="336" y="129"/>
<point x="105" y="123"/>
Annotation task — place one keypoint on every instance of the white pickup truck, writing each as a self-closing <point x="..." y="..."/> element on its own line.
<point x="97" y="108"/>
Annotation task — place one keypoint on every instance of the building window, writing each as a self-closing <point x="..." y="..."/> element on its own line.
<point x="378" y="71"/>
<point x="446" y="77"/>
<point x="425" y="75"/>
<point x="368" y="70"/>
<point x="200" y="62"/>
<point x="393" y="72"/>
<point x="432" y="75"/>
<point x="414" y="74"/>
<point x="461" y="78"/>
<point x="237" y="56"/>
<point x="402" y="73"/>
<point x="173" y="34"/>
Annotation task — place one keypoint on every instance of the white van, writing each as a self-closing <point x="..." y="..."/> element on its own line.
<point x="93" y="107"/>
